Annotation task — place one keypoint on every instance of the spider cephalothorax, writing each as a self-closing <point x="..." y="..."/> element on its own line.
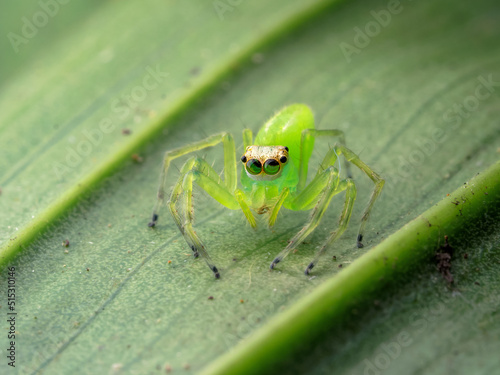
<point x="264" y="163"/>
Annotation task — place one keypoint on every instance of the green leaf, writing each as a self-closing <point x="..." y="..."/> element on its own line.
<point x="407" y="98"/>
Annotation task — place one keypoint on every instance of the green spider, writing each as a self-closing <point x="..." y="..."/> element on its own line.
<point x="275" y="173"/>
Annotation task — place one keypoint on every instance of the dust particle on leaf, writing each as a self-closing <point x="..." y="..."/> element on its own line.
<point x="443" y="259"/>
<point x="137" y="158"/>
<point x="65" y="243"/>
<point x="257" y="58"/>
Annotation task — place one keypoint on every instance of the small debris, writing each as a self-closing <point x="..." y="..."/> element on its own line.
<point x="126" y="131"/>
<point x="137" y="158"/>
<point x="187" y="366"/>
<point x="242" y="301"/>
<point x="65" y="243"/>
<point x="211" y="297"/>
<point x="168" y="368"/>
<point x="257" y="58"/>
<point x="169" y="262"/>
<point x="340" y="265"/>
<point x="116" y="367"/>
<point x="466" y="256"/>
<point x="66" y="252"/>
<point x="334" y="258"/>
<point x="88" y="269"/>
<point x="109" y="225"/>
<point x="443" y="259"/>
<point x="195" y="71"/>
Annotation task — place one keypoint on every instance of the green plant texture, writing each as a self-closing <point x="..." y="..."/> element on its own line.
<point x="91" y="100"/>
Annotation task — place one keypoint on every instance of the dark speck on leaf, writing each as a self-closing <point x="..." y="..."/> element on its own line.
<point x="137" y="158"/>
<point x="443" y="258"/>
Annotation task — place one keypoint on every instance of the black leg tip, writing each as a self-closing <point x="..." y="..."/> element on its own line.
<point x="153" y="221"/>
<point x="309" y="268"/>
<point x="196" y="254"/>
<point x="274" y="263"/>
<point x="360" y="238"/>
<point x="216" y="272"/>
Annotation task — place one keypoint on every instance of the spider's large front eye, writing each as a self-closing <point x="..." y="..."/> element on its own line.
<point x="254" y="166"/>
<point x="271" y="166"/>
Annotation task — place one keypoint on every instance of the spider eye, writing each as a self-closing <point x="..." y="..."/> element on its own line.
<point x="244" y="159"/>
<point x="254" y="166"/>
<point x="271" y="166"/>
<point x="286" y="148"/>
<point x="283" y="159"/>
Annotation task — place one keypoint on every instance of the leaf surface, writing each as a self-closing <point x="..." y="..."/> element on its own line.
<point x="113" y="301"/>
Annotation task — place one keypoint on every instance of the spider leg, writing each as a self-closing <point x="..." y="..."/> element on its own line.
<point x="277" y="206"/>
<point x="199" y="171"/>
<point x="242" y="201"/>
<point x="324" y="186"/>
<point x="229" y="166"/>
<point x="247" y="138"/>
<point x="377" y="180"/>
<point x="345" y="216"/>
<point x="306" y="146"/>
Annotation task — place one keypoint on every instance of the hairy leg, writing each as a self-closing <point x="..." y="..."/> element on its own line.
<point x="242" y="201"/>
<point x="247" y="138"/>
<point x="229" y="166"/>
<point x="318" y="188"/>
<point x="377" y="180"/>
<point x="199" y="171"/>
<point x="307" y="143"/>
<point x="277" y="206"/>
<point x="345" y="216"/>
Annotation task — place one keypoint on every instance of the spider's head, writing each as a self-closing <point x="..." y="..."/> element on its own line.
<point x="264" y="163"/>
